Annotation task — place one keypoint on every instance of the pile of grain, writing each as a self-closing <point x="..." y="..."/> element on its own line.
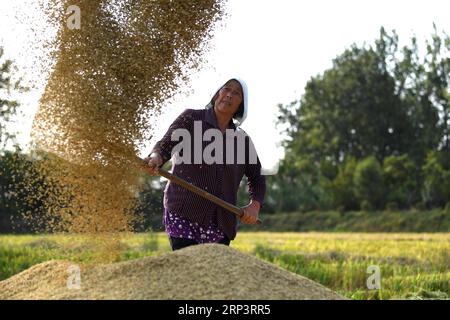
<point x="208" y="271"/>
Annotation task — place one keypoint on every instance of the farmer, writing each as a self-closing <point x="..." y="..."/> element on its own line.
<point x="188" y="218"/>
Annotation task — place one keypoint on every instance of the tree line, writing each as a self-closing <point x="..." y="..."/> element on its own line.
<point x="371" y="132"/>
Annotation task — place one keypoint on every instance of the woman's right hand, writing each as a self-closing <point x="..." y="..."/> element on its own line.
<point x="153" y="162"/>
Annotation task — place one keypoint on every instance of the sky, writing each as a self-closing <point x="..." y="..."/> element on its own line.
<point x="276" y="46"/>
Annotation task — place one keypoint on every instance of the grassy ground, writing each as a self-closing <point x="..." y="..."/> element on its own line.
<point x="411" y="265"/>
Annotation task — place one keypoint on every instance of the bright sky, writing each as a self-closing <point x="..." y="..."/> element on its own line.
<point x="275" y="45"/>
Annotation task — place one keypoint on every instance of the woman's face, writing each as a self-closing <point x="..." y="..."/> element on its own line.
<point x="229" y="98"/>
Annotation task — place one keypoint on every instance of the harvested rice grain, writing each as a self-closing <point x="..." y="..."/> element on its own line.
<point x="207" y="271"/>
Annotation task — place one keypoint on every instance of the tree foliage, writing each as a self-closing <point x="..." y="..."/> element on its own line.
<point x="9" y="84"/>
<point x="367" y="125"/>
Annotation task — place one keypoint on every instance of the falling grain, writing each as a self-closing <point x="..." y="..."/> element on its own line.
<point x="107" y="82"/>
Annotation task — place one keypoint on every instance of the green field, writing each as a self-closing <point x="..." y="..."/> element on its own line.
<point x="412" y="265"/>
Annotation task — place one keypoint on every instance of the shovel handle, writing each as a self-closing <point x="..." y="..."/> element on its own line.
<point x="239" y="212"/>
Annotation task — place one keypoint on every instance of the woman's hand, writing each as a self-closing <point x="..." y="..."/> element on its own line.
<point x="153" y="162"/>
<point x="251" y="212"/>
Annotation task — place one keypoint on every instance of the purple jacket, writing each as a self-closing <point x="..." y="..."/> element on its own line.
<point x="222" y="180"/>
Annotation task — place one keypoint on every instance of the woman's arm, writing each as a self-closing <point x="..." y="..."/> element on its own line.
<point x="164" y="147"/>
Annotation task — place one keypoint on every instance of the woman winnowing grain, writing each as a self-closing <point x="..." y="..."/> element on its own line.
<point x="188" y="218"/>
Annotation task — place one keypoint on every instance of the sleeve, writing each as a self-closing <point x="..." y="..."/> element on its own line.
<point x="164" y="146"/>
<point x="256" y="181"/>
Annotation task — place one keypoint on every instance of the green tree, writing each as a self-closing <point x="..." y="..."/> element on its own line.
<point x="9" y="84"/>
<point x="438" y="80"/>
<point x="149" y="206"/>
<point x="8" y="107"/>
<point x="343" y="189"/>
<point x="398" y="177"/>
<point x="350" y="110"/>
<point x="19" y="197"/>
<point x="297" y="186"/>
<point x="436" y="187"/>
<point x="414" y="88"/>
<point x="368" y="181"/>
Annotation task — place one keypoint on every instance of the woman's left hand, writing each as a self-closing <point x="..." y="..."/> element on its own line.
<point x="251" y="212"/>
